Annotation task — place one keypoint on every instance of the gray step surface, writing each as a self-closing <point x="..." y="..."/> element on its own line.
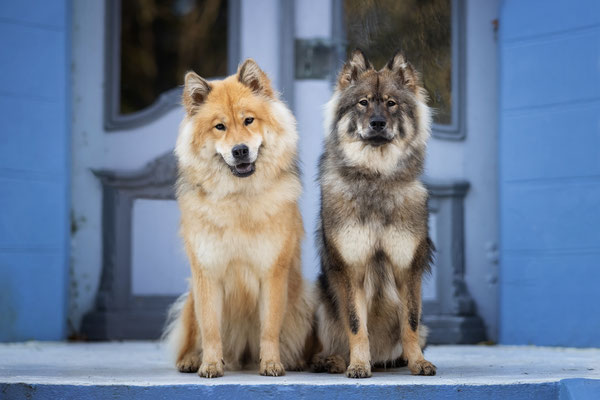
<point x="142" y="370"/>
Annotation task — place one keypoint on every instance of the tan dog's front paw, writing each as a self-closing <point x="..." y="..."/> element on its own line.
<point x="422" y="367"/>
<point x="271" y="368"/>
<point x="359" y="370"/>
<point x="189" y="362"/>
<point x="211" y="369"/>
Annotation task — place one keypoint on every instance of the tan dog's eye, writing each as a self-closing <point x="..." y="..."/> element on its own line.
<point x="363" y="103"/>
<point x="220" y="127"/>
<point x="391" y="103"/>
<point x="248" y="121"/>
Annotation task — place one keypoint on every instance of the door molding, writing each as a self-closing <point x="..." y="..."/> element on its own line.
<point x="119" y="314"/>
<point x="286" y="51"/>
<point x="452" y="317"/>
<point x="114" y="121"/>
<point x="454" y="131"/>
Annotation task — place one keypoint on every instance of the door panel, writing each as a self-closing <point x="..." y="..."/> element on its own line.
<point x="158" y="262"/>
<point x="126" y="241"/>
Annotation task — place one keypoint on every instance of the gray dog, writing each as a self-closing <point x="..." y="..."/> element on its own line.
<point x="373" y="232"/>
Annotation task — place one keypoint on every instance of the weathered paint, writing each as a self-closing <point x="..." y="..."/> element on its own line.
<point x="274" y="391"/>
<point x="34" y="168"/>
<point x="577" y="388"/>
<point x="549" y="173"/>
<point x="141" y="370"/>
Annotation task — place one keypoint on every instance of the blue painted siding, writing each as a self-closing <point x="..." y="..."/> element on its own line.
<point x="551" y="130"/>
<point x="34" y="168"/>
<point x="560" y="70"/>
<point x="531" y="18"/>
<point x="45" y="14"/>
<point x="551" y="214"/>
<point x="549" y="146"/>
<point x="554" y="301"/>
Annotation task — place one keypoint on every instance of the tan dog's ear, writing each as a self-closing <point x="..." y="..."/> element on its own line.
<point x="250" y="74"/>
<point x="195" y="91"/>
<point x="356" y="65"/>
<point x="404" y="71"/>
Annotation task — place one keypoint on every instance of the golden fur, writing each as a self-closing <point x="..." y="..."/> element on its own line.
<point x="248" y="303"/>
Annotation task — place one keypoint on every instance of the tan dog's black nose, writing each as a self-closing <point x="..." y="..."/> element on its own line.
<point x="240" y="151"/>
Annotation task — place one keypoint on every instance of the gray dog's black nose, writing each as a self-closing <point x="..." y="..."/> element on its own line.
<point x="377" y="123"/>
<point x="240" y="151"/>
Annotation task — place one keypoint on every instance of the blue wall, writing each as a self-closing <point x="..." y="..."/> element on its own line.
<point x="34" y="168"/>
<point x="550" y="172"/>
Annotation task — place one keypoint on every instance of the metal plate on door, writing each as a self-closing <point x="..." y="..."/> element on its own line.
<point x="316" y="58"/>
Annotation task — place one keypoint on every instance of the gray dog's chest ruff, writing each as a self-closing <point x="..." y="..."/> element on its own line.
<point x="370" y="216"/>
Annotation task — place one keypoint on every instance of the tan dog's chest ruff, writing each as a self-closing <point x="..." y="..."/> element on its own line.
<point x="215" y="250"/>
<point x="229" y="231"/>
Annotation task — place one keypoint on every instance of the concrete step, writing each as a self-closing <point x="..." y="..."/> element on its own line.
<point x="141" y="370"/>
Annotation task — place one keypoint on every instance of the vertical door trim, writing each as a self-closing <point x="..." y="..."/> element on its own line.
<point x="114" y="121"/>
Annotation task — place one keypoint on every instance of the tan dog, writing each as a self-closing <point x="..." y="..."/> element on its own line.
<point x="238" y="192"/>
<point x="373" y="231"/>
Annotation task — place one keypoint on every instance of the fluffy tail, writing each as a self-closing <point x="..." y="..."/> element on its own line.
<point x="173" y="334"/>
<point x="400" y="361"/>
<point x="423" y="333"/>
<point x="298" y="330"/>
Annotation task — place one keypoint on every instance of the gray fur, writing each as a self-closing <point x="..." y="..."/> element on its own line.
<point x="373" y="188"/>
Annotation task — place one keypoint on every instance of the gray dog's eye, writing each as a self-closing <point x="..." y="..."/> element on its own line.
<point x="391" y="103"/>
<point x="363" y="103"/>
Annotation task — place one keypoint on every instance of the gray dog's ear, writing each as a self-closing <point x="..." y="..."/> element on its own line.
<point x="250" y="74"/>
<point x="356" y="65"/>
<point x="404" y="71"/>
<point x="195" y="91"/>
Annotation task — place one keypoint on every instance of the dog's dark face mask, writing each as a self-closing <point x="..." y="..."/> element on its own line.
<point x="378" y="106"/>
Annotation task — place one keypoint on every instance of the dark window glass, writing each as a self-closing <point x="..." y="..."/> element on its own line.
<point x="422" y="29"/>
<point x="162" y="39"/>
